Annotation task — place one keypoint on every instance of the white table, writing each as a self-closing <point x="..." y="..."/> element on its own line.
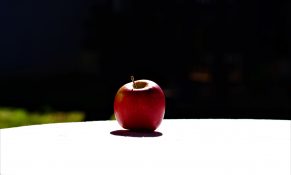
<point x="197" y="147"/>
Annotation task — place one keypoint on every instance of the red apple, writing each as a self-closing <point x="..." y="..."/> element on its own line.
<point x="140" y="105"/>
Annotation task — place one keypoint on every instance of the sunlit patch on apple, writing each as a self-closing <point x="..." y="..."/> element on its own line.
<point x="119" y="97"/>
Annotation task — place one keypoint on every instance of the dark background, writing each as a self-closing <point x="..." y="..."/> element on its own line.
<point x="214" y="59"/>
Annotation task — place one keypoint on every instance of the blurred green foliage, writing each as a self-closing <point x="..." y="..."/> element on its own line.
<point x="112" y="117"/>
<point x="13" y="117"/>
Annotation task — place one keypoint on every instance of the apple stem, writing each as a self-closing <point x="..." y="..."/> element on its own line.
<point x="132" y="79"/>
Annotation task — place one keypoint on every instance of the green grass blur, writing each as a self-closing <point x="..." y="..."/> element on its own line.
<point x="14" y="117"/>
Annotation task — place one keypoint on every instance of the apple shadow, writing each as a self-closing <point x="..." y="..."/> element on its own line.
<point x="128" y="133"/>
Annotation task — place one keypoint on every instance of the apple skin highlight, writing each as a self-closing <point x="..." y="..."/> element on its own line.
<point x="140" y="108"/>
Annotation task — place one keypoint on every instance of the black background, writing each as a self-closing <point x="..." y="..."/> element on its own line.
<point x="214" y="59"/>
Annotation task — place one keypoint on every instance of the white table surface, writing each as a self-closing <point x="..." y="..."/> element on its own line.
<point x="198" y="147"/>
